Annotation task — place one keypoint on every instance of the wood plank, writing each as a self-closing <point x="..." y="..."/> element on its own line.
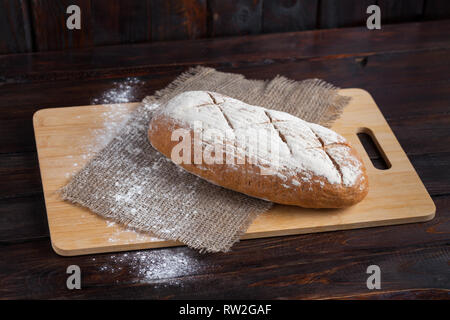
<point x="395" y="69"/>
<point x="423" y="135"/>
<point x="305" y="266"/>
<point x="235" y="17"/>
<point x="414" y="99"/>
<point x="429" y="96"/>
<point x="15" y="28"/>
<point x="431" y="167"/>
<point x="142" y="58"/>
<point x="406" y="294"/>
<point x="175" y="19"/>
<point x="394" y="11"/>
<point x="343" y="13"/>
<point x="103" y="22"/>
<point x="16" y="136"/>
<point x="119" y="22"/>
<point x="19" y="175"/>
<point x="49" y="24"/>
<point x="23" y="219"/>
<point x="289" y="15"/>
<point x="403" y="243"/>
<point x="414" y="88"/>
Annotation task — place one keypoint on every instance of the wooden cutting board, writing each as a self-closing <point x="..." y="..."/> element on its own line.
<point x="66" y="138"/>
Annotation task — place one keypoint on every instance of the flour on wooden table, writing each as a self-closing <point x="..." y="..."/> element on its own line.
<point x="155" y="265"/>
<point x="121" y="92"/>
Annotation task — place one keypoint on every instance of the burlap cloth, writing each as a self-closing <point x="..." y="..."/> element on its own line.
<point x="131" y="183"/>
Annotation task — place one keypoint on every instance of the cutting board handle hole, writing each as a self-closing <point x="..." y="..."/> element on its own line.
<point x="373" y="149"/>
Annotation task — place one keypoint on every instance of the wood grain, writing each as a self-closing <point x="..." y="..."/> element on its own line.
<point x="235" y="17"/>
<point x="49" y="25"/>
<point x="102" y="23"/>
<point x="289" y="15"/>
<point x="17" y="173"/>
<point x="27" y="25"/>
<point x="121" y="61"/>
<point x="394" y="11"/>
<point x="343" y="13"/>
<point x="117" y="21"/>
<point x="22" y="219"/>
<point x="15" y="27"/>
<point x="316" y="266"/>
<point x="175" y="19"/>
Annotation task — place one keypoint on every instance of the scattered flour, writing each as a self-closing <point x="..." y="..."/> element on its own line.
<point x="111" y="121"/>
<point x="118" y="235"/>
<point x="151" y="266"/>
<point x="115" y="118"/>
<point x="122" y="92"/>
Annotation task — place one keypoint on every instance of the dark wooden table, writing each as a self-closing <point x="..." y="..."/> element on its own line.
<point x="405" y="67"/>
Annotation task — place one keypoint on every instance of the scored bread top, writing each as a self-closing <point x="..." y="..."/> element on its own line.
<point x="305" y="150"/>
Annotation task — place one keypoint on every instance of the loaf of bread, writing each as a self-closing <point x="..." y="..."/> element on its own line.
<point x="263" y="153"/>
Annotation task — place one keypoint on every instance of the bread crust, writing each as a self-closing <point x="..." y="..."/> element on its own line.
<point x="312" y="192"/>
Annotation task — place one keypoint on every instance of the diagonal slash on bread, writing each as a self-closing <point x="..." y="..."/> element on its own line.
<point x="261" y="152"/>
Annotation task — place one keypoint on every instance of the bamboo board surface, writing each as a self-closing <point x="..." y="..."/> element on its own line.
<point x="66" y="138"/>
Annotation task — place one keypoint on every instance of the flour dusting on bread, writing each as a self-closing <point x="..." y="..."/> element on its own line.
<point x="309" y="157"/>
<point x="301" y="150"/>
